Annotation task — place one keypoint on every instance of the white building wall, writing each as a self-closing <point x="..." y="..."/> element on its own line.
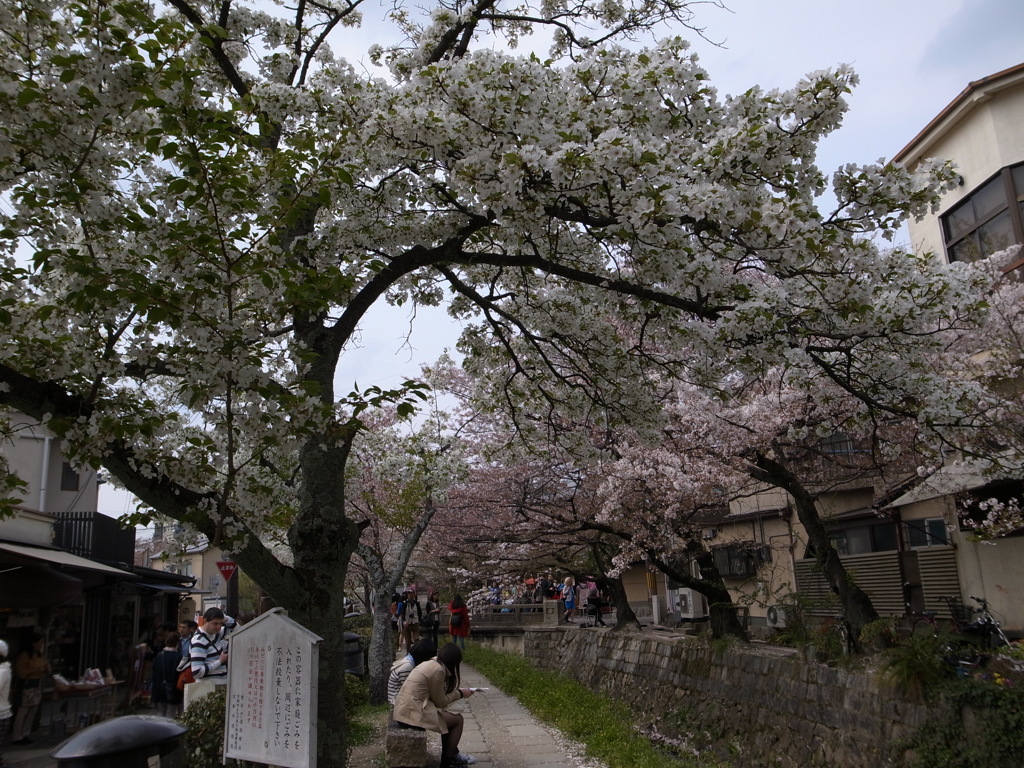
<point x="31" y="447"/>
<point x="994" y="571"/>
<point x="983" y="135"/>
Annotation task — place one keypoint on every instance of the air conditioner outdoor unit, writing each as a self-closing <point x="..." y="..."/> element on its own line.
<point x="691" y="604"/>
<point x="776" y="617"/>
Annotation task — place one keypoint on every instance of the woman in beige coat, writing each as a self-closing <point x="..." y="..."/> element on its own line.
<point x="423" y="700"/>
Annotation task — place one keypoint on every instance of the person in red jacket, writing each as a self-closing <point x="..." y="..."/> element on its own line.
<point x="458" y="624"/>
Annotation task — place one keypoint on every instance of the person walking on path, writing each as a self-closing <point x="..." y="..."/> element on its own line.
<point x="164" y="691"/>
<point x="424" y="699"/>
<point x="411" y="617"/>
<point x="569" y="597"/>
<point x="458" y="624"/>
<point x="432" y="616"/>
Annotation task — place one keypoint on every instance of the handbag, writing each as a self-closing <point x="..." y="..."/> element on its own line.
<point x="184" y="678"/>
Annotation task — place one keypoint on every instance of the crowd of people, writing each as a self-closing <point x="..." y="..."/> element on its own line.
<point x="175" y="655"/>
<point x="409" y="618"/>
<point x="583" y="599"/>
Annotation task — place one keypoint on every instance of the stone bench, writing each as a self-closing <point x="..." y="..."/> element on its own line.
<point x="404" y="747"/>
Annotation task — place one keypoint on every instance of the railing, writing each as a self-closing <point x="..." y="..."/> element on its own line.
<point x="521" y="615"/>
<point x="510" y="615"/>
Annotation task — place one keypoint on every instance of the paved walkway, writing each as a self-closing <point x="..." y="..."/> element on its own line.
<point x="499" y="733"/>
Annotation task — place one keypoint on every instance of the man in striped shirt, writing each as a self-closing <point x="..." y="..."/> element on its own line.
<point x="208" y="654"/>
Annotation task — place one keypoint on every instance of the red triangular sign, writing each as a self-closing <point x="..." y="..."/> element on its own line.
<point x="227" y="569"/>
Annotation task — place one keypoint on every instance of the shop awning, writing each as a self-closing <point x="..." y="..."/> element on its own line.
<point x="37" y="586"/>
<point x="60" y="557"/>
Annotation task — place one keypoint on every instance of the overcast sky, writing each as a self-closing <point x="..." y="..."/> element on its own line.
<point x="913" y="58"/>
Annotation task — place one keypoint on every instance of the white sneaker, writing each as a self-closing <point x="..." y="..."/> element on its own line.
<point x="463" y="759"/>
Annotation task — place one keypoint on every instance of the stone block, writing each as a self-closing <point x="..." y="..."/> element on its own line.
<point x="405" y="747"/>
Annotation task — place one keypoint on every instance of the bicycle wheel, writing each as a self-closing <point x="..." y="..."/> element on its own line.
<point x="924" y="628"/>
<point x="994" y="638"/>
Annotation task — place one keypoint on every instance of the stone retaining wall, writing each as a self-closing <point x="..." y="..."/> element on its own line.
<point x="756" y="706"/>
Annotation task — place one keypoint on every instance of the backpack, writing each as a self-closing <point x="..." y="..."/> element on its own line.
<point x="456" y="620"/>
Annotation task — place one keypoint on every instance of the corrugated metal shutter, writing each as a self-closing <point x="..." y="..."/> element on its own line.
<point x="939" y="576"/>
<point x="877" y="573"/>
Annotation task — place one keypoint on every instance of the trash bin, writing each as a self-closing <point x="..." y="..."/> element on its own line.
<point x="354" y="654"/>
<point x="131" y="741"/>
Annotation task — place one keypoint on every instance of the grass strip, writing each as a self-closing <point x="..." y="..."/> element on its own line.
<point x="602" y="725"/>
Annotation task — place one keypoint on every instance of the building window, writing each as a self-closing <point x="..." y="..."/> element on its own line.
<point x="926" y="533"/>
<point x="68" y="477"/>
<point x="740" y="562"/>
<point x="991" y="219"/>
<point x="183" y="568"/>
<point x="861" y="539"/>
<point x="837" y="444"/>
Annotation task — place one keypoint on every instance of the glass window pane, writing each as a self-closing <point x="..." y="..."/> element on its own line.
<point x="966" y="250"/>
<point x="917" y="533"/>
<point x="960" y="221"/>
<point x="722" y="562"/>
<point x="989" y="198"/>
<point x="996" y="234"/>
<point x="858" y="540"/>
<point x="68" y="478"/>
<point x="937" y="532"/>
<point x="839" y="542"/>
<point x="885" y="537"/>
<point x="838" y="443"/>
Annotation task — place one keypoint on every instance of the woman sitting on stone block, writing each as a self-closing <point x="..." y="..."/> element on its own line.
<point x="423" y="700"/>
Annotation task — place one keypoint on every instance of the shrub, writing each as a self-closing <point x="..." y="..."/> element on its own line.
<point x="204" y="718"/>
<point x="878" y="635"/>
<point x="357" y="693"/>
<point x="204" y="742"/>
<point x="797" y="631"/>
<point x="917" y="664"/>
<point x="980" y="726"/>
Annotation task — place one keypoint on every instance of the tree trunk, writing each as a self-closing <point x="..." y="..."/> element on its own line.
<point x="856" y="605"/>
<point x="722" y="615"/>
<point x="382" y="651"/>
<point x="624" y="616"/>
<point x="323" y="541"/>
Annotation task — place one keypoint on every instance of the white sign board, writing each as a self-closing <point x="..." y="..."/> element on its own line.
<point x="272" y="686"/>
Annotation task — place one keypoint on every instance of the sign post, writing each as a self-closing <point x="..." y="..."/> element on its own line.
<point x="272" y="693"/>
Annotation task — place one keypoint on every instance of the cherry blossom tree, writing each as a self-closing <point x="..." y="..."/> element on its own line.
<point x="988" y="444"/>
<point x="397" y="483"/>
<point x="202" y="202"/>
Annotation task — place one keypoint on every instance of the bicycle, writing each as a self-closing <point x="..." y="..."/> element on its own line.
<point x="985" y="627"/>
